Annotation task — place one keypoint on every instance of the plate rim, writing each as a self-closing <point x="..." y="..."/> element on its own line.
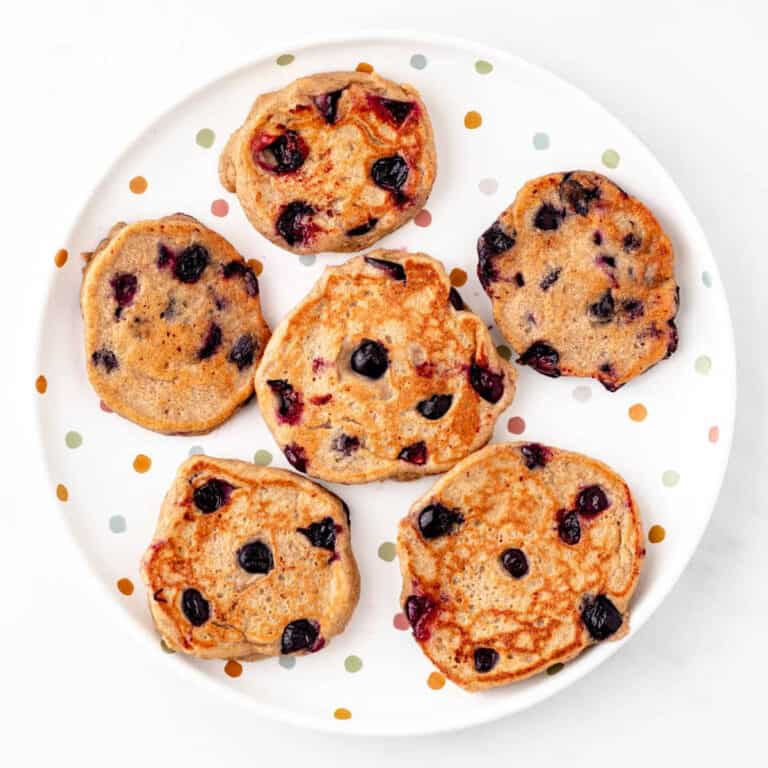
<point x="587" y="662"/>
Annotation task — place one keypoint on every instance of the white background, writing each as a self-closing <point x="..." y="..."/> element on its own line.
<point x="80" y="80"/>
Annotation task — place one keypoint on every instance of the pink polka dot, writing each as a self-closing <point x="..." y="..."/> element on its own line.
<point x="104" y="407"/>
<point x="422" y="218"/>
<point x="400" y="622"/>
<point x="516" y="425"/>
<point x="714" y="434"/>
<point x="219" y="207"/>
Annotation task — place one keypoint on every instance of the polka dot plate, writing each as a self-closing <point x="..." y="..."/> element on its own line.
<point x="498" y="121"/>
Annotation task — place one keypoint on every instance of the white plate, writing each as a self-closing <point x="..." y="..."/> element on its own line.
<point x="532" y="123"/>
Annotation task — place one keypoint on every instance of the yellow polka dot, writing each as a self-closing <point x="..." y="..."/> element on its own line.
<point x="435" y="681"/>
<point x="638" y="412"/>
<point x="125" y="586"/>
<point x="142" y="463"/>
<point x="60" y="259"/>
<point x="342" y="713"/>
<point x="256" y="266"/>
<point x="473" y="119"/>
<point x="233" y="668"/>
<point x="364" y="66"/>
<point x="657" y="534"/>
<point x="62" y="494"/>
<point x="138" y="185"/>
<point x="458" y="277"/>
<point x="41" y="384"/>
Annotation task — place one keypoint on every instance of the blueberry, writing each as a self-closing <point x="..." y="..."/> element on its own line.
<point x="195" y="607"/>
<point x="290" y="403"/>
<point x="249" y="276"/>
<point x="294" y="223"/>
<point x="434" y="407"/>
<point x="211" y="343"/>
<point x="106" y="358"/>
<point x="255" y="557"/>
<point x="535" y="455"/>
<point x="296" y="457"/>
<point x="414" y="454"/>
<point x="212" y="495"/>
<point x="568" y="527"/>
<point x="541" y="357"/>
<point x="370" y="359"/>
<point x="632" y="309"/>
<point x="548" y="217"/>
<point x="124" y="288"/>
<point x="322" y="534"/>
<point x="420" y="610"/>
<point x="437" y="520"/>
<point x="515" y="562"/>
<point x="608" y="261"/>
<point x="550" y="278"/>
<point x="602" y="310"/>
<point x="601" y="617"/>
<point x="345" y="444"/>
<point x="242" y="351"/>
<point x="165" y="256"/>
<point x="519" y="279"/>
<point x="489" y="245"/>
<point x="576" y="196"/>
<point x="485" y="659"/>
<point x="363" y="229"/>
<point x="631" y="242"/>
<point x="597" y="237"/>
<point x="328" y="105"/>
<point x="392" y="110"/>
<point x="391" y="268"/>
<point x="487" y="384"/>
<point x="591" y="501"/>
<point x="299" y="635"/>
<point x="285" y="154"/>
<point x="191" y="263"/>
<point x="674" y="338"/>
<point x="390" y="172"/>
<point x="455" y="298"/>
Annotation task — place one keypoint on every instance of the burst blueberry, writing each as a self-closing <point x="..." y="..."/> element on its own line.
<point x="568" y="527"/>
<point x="434" y="407"/>
<point x="542" y="357"/>
<point x="212" y="495"/>
<point x="321" y="534"/>
<point x="290" y="402"/>
<point x="601" y="617"/>
<point x="487" y="384"/>
<point x="414" y="454"/>
<point x="285" y="154"/>
<point x="548" y="217"/>
<point x="390" y="172"/>
<point x="591" y="501"/>
<point x="485" y="659"/>
<point x="437" y="520"/>
<point x="242" y="351"/>
<point x="299" y="635"/>
<point x="189" y="266"/>
<point x="392" y="268"/>
<point x="211" y="342"/>
<point x="294" y="223"/>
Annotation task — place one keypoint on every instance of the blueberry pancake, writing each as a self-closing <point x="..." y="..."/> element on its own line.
<point x="173" y="325"/>
<point x="581" y="277"/>
<point x="519" y="558"/>
<point x="248" y="561"/>
<point x="381" y="371"/>
<point x="332" y="162"/>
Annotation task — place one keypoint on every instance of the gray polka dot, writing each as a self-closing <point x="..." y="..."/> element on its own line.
<point x="287" y="662"/>
<point x="582" y="393"/>
<point x="418" y="61"/>
<point x="488" y="186"/>
<point x="117" y="524"/>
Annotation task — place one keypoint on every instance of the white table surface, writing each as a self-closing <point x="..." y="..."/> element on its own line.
<point x="80" y="79"/>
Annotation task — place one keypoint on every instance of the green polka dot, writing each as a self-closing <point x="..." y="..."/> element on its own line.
<point x="287" y="662"/>
<point x="165" y="647"/>
<point x="117" y="524"/>
<point x="670" y="478"/>
<point x="73" y="439"/>
<point x="284" y="59"/>
<point x="418" y="61"/>
<point x="483" y="67"/>
<point x="610" y="158"/>
<point x="555" y="668"/>
<point x="703" y="365"/>
<point x="262" y="458"/>
<point x="205" y="138"/>
<point x="353" y="663"/>
<point x="504" y="351"/>
<point x="387" y="551"/>
<point x="706" y="278"/>
<point x="541" y="141"/>
<point x="307" y="260"/>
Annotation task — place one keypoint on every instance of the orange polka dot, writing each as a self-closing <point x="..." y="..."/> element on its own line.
<point x="41" y="384"/>
<point x="256" y="266"/>
<point x="422" y="218"/>
<point x="342" y="713"/>
<point x="516" y="425"/>
<point x="364" y="66"/>
<point x="657" y="534"/>
<point x="138" y="185"/>
<point x="233" y="668"/>
<point x="637" y="412"/>
<point x="142" y="463"/>
<point x="458" y="277"/>
<point x="60" y="259"/>
<point x="125" y="586"/>
<point x="473" y="119"/>
<point x="714" y="434"/>
<point x="62" y="494"/>
<point x="435" y="681"/>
